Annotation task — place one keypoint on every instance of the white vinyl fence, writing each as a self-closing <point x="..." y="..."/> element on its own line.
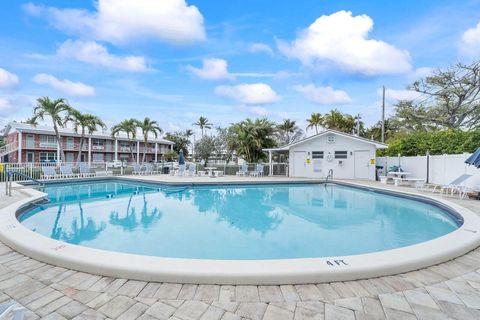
<point x="438" y="169"/>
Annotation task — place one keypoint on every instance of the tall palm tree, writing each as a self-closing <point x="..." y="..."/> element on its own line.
<point x="203" y="123"/>
<point x="148" y="126"/>
<point x="286" y="128"/>
<point x="56" y="110"/>
<point x="129" y="127"/>
<point x="254" y="136"/>
<point x="315" y="120"/>
<point x="338" y="121"/>
<point x="84" y="122"/>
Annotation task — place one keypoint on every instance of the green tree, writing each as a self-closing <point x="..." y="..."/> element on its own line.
<point x="315" y="121"/>
<point x="129" y="127"/>
<point x="180" y="140"/>
<point x="84" y="123"/>
<point x="450" y="99"/>
<point x="288" y="131"/>
<point x="227" y="142"/>
<point x="148" y="126"/>
<point x="56" y="110"/>
<point x="203" y="123"/>
<point x="205" y="148"/>
<point x="254" y="136"/>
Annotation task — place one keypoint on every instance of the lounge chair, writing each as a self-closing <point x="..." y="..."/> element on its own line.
<point x="85" y="170"/>
<point x="201" y="173"/>
<point x="258" y="172"/>
<point x="137" y="169"/>
<point x="149" y="169"/>
<point x="242" y="170"/>
<point x="49" y="172"/>
<point x="17" y="310"/>
<point x="218" y="173"/>
<point x="181" y="170"/>
<point x="457" y="185"/>
<point x="67" y="172"/>
<point x="192" y="169"/>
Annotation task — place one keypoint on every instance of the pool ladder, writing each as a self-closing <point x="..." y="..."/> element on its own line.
<point x="329" y="175"/>
<point x="9" y="179"/>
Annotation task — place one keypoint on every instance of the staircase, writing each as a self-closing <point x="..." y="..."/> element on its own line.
<point x="9" y="148"/>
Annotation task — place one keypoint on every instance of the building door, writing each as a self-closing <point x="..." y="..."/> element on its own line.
<point x="299" y="165"/>
<point x="362" y="164"/>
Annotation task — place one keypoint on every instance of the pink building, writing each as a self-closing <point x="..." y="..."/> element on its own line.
<point x="27" y="143"/>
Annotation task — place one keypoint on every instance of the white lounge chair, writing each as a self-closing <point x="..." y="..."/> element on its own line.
<point x="149" y="169"/>
<point x="181" y="170"/>
<point x="457" y="185"/>
<point x="258" y="172"/>
<point x="192" y="169"/>
<point x="17" y="310"/>
<point x="67" y="172"/>
<point x="49" y="172"/>
<point x="242" y="170"/>
<point x="218" y="173"/>
<point x="137" y="169"/>
<point x="85" y="170"/>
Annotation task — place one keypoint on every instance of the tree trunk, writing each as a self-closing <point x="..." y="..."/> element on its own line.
<point x="82" y="138"/>
<point x="59" y="142"/>
<point x="145" y="149"/>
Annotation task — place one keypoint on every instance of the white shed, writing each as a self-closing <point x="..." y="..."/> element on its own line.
<point x="349" y="156"/>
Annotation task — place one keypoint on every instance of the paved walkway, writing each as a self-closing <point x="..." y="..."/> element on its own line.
<point x="447" y="291"/>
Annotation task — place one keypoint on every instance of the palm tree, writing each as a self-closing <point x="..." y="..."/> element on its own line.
<point x="148" y="126"/>
<point x="188" y="133"/>
<point x="286" y="128"/>
<point x="254" y="136"/>
<point x="56" y="110"/>
<point x="129" y="127"/>
<point x="315" y="120"/>
<point x="203" y="123"/>
<point x="84" y="122"/>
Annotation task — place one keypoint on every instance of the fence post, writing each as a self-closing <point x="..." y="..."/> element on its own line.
<point x="428" y="166"/>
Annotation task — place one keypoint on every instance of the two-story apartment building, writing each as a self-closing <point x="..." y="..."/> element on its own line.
<point x="28" y="143"/>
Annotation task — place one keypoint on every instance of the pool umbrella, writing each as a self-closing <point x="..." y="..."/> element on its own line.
<point x="181" y="158"/>
<point x="474" y="159"/>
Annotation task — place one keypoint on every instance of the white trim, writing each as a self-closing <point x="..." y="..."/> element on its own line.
<point x="285" y="271"/>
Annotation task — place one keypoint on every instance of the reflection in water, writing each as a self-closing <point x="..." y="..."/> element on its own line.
<point x="234" y="222"/>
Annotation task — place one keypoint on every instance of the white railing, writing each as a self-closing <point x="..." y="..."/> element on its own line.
<point x="9" y="148"/>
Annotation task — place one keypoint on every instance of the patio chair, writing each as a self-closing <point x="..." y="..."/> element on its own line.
<point x="201" y="173"/>
<point x="11" y="306"/>
<point x="181" y="170"/>
<point x="218" y="173"/>
<point x="457" y="185"/>
<point x="242" y="170"/>
<point x="85" y="170"/>
<point x="49" y="172"/>
<point x="149" y="169"/>
<point x="67" y="172"/>
<point x="258" y="172"/>
<point x="192" y="169"/>
<point x="137" y="169"/>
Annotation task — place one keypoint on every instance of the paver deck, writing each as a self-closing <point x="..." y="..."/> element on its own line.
<point x="447" y="291"/>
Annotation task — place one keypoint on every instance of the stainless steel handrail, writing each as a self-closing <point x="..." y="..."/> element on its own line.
<point x="8" y="181"/>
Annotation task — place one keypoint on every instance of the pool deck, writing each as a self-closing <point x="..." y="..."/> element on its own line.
<point x="449" y="290"/>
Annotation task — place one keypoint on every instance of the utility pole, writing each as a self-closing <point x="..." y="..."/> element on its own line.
<point x="383" y="114"/>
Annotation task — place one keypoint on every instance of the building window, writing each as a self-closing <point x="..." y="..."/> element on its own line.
<point x="48" y="156"/>
<point x="97" y="157"/>
<point x="317" y="154"/>
<point x="340" y="154"/>
<point x="30" y="157"/>
<point x="48" y="141"/>
<point x="331" y="139"/>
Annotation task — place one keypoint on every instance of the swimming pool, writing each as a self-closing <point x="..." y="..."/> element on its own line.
<point x="235" y="222"/>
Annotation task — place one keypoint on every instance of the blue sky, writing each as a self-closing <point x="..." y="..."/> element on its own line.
<point x="176" y="60"/>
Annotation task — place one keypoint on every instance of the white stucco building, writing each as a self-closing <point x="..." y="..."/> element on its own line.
<point x="349" y="156"/>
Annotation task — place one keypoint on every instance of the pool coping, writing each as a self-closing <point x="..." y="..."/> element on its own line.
<point x="235" y="272"/>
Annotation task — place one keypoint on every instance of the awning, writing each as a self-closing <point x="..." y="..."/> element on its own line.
<point x="474" y="159"/>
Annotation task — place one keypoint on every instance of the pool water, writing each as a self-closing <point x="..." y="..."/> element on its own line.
<point x="234" y="221"/>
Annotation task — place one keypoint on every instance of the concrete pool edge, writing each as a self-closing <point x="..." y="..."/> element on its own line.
<point x="287" y="271"/>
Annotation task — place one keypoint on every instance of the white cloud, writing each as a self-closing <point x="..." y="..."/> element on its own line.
<point x="119" y="21"/>
<point x="323" y="95"/>
<point x="212" y="69"/>
<point x="470" y="43"/>
<point x="261" y="47"/>
<point x="10" y="105"/>
<point x="249" y="94"/>
<point x="96" y="54"/>
<point x="8" y="79"/>
<point x="66" y="86"/>
<point x="342" y="39"/>
<point x="420" y="73"/>
<point x="399" y="94"/>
